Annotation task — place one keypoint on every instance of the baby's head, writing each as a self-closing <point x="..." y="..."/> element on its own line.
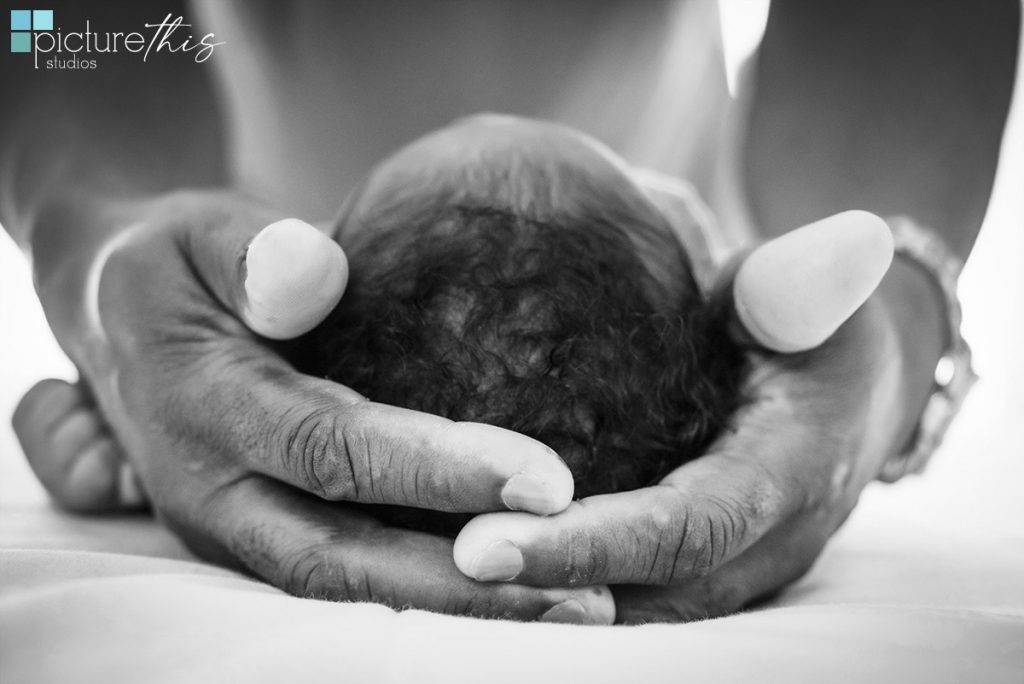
<point x="512" y="272"/>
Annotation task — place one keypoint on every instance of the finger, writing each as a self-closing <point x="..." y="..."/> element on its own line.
<point x="704" y="514"/>
<point x="45" y="403"/>
<point x="330" y="552"/>
<point x="700" y="516"/>
<point x="281" y="279"/>
<point x="792" y="293"/>
<point x="328" y="440"/>
<point x="780" y="558"/>
<point x="71" y="450"/>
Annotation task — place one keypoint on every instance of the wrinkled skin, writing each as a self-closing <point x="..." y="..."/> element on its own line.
<point x="821" y="424"/>
<point x="244" y="458"/>
<point x="749" y="516"/>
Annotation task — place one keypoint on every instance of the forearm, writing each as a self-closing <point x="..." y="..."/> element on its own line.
<point x="895" y="108"/>
<point x="126" y="129"/>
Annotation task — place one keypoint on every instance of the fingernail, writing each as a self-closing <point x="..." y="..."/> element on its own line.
<point x="790" y="302"/>
<point x="499" y="562"/>
<point x="570" y="612"/>
<point x="294" y="275"/>
<point x="525" y="492"/>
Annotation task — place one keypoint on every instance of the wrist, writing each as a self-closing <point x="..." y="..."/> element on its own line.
<point x="914" y="305"/>
<point x="68" y="239"/>
<point x="64" y="239"/>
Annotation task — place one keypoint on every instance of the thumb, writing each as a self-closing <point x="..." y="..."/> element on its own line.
<point x="281" y="279"/>
<point x="793" y="292"/>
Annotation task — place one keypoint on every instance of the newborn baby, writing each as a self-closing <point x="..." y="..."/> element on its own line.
<point x="512" y="272"/>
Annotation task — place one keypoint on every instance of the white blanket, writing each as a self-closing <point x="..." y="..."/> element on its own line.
<point x="925" y="583"/>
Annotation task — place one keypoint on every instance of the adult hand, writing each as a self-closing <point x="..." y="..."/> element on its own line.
<point x="753" y="513"/>
<point x="246" y="459"/>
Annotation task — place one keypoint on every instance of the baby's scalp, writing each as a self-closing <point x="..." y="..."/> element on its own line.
<point x="549" y="321"/>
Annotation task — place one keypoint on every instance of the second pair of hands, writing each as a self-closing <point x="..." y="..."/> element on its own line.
<point x="165" y="309"/>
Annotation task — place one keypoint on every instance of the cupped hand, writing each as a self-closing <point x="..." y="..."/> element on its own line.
<point x="250" y="462"/>
<point x="754" y="512"/>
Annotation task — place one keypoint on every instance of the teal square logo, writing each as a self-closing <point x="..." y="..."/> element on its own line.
<point x="42" y="20"/>
<point x="21" y="42"/>
<point x="21" y="20"/>
<point x="25" y="21"/>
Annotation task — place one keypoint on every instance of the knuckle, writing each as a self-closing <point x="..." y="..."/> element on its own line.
<point x="355" y="466"/>
<point x="309" y="570"/>
<point x="698" y="548"/>
<point x="677" y="539"/>
<point x="726" y="523"/>
<point x="310" y="574"/>
<point x="432" y="486"/>
<point x="311" y="451"/>
<point x="586" y="558"/>
<point x="438" y="481"/>
<point x="507" y="602"/>
<point x="652" y="545"/>
<point x="468" y="604"/>
<point x="42" y="404"/>
<point x="701" y="535"/>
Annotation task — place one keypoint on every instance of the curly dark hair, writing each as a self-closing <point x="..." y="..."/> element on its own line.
<point x="555" y="329"/>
